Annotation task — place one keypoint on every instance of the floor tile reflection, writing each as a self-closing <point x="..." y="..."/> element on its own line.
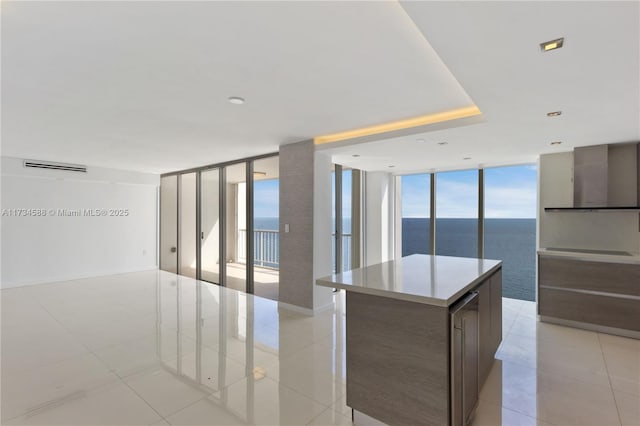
<point x="155" y="348"/>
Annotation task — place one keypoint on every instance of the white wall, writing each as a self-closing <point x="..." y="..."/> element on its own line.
<point x="588" y="230"/>
<point x="379" y="218"/>
<point x="52" y="248"/>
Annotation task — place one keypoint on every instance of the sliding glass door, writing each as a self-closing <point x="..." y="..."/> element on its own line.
<point x="169" y="224"/>
<point x="220" y="224"/>
<point x="187" y="225"/>
<point x="266" y="225"/>
<point x="210" y="225"/>
<point x="236" y="226"/>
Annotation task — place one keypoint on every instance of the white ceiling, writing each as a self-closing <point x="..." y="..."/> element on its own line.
<point x="144" y="85"/>
<point x="493" y="50"/>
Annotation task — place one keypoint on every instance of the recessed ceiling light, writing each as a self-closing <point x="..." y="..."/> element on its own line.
<point x="467" y="158"/>
<point x="236" y="100"/>
<point x="554" y="113"/>
<point x="552" y="44"/>
<point x="443" y="143"/>
<point x="356" y="155"/>
<point x="556" y="142"/>
<point x="391" y="167"/>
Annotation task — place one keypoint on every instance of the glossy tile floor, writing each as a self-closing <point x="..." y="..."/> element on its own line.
<point x="154" y="348"/>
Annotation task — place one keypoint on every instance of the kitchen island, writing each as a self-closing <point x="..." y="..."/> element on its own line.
<point x="401" y="365"/>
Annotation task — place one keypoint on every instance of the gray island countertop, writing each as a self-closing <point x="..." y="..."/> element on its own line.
<point x="432" y="280"/>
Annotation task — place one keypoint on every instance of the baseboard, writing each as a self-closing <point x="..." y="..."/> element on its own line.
<point x="592" y="327"/>
<point x="304" y="311"/>
<point x="6" y="286"/>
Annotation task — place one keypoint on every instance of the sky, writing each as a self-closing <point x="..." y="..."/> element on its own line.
<point x="265" y="195"/>
<point x="266" y="198"/>
<point x="510" y="192"/>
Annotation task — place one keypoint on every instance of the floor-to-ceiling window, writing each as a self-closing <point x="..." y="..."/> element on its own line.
<point x="510" y="195"/>
<point x="457" y="213"/>
<point x="346" y="239"/>
<point x="334" y="222"/>
<point x="346" y="200"/>
<point x="266" y="225"/>
<point x="489" y="212"/>
<point x="415" y="196"/>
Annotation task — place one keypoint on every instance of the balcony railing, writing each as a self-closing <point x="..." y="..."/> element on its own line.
<point x="266" y="249"/>
<point x="346" y="252"/>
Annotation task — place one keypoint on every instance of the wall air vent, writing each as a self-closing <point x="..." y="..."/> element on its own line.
<point x="55" y="166"/>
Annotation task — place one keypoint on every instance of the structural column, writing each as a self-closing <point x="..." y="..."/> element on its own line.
<point x="305" y="226"/>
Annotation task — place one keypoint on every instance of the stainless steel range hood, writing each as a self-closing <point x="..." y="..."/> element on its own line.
<point x="605" y="177"/>
<point x="590" y="176"/>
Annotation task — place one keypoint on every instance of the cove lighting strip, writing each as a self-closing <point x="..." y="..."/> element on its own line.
<point x="422" y="120"/>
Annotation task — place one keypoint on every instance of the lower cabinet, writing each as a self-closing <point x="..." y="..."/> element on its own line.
<point x="496" y="310"/>
<point x="598" y="293"/>
<point x="608" y="311"/>
<point x="484" y="335"/>
<point x="489" y="322"/>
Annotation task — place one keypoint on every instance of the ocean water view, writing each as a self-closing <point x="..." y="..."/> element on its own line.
<point x="266" y="223"/>
<point x="511" y="240"/>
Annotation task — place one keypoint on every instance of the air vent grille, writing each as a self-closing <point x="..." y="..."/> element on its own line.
<point x="54" y="166"/>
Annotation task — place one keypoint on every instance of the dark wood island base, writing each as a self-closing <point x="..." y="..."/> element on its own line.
<point x="398" y="360"/>
<point x="399" y="336"/>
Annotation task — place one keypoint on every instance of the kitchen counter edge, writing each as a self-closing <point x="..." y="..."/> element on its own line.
<point x="634" y="259"/>
<point x="328" y="281"/>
